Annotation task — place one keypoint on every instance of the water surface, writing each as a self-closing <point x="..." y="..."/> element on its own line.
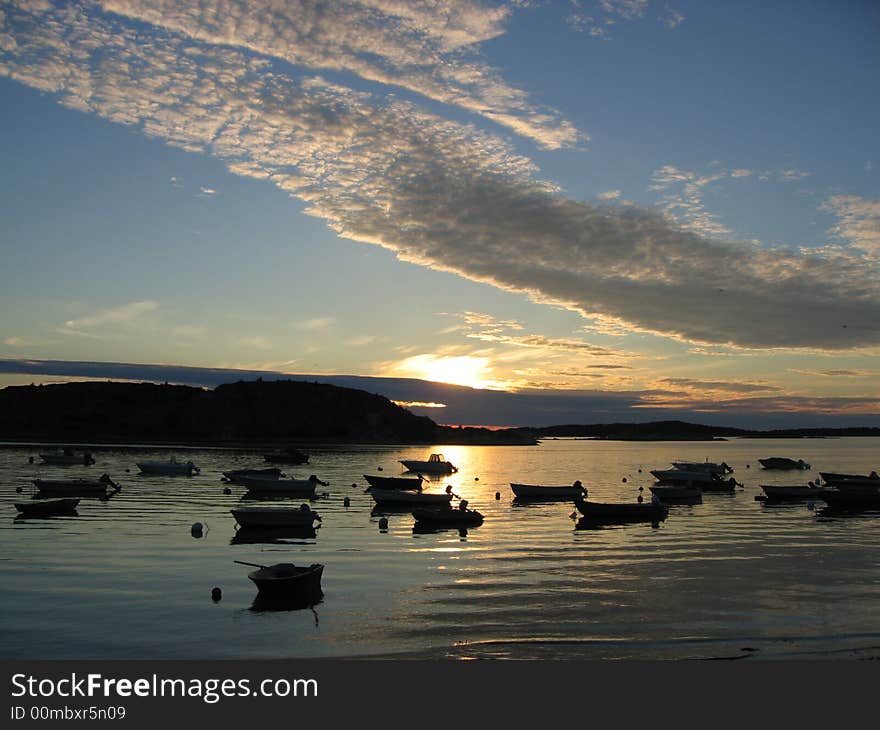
<point x="730" y="577"/>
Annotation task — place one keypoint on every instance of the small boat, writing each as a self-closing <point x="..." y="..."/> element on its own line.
<point x="305" y="516"/>
<point x="831" y="478"/>
<point x="842" y="501"/>
<point x="405" y="496"/>
<point x="172" y="467"/>
<point x="47" y="507"/>
<point x="540" y="492"/>
<point x="791" y="493"/>
<point x="410" y="483"/>
<point x="234" y="475"/>
<point x="677" y="493"/>
<point x="856" y="486"/>
<point x="81" y="486"/>
<point x="612" y="512"/>
<point x="287" y="456"/>
<point x="67" y="457"/>
<point x="706" y="480"/>
<point x="781" y="462"/>
<point x="286" y="581"/>
<point x="278" y="487"/>
<point x="435" y="464"/>
<point x="448" y="517"/>
<point x="719" y="469"/>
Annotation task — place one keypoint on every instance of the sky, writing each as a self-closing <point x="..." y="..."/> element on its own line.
<point x="634" y="209"/>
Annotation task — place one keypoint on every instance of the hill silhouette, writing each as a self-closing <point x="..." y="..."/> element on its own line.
<point x="252" y="412"/>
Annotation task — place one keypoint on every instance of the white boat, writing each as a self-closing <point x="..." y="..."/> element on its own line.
<point x="404" y="496"/>
<point x="305" y="516"/>
<point x="710" y="466"/>
<point x="435" y="464"/>
<point x="67" y="457"/>
<point x="172" y="467"/>
<point x="270" y="485"/>
<point x="539" y="491"/>
<point x="81" y="486"/>
<point x="234" y="475"/>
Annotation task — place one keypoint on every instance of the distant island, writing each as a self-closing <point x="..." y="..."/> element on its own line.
<point x="269" y="413"/>
<point x="684" y="431"/>
<point x="287" y="412"/>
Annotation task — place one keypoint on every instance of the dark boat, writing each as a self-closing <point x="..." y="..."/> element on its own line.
<point x="449" y="517"/>
<point x="287" y="456"/>
<point x="47" y="507"/>
<point x="613" y="512"/>
<point x="781" y="462"/>
<point x="272" y="535"/>
<point x="408" y="483"/>
<point x="792" y="493"/>
<point x="288" y="582"/>
<point x="78" y="486"/>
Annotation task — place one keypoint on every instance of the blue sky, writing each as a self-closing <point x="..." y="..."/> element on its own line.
<point x="672" y="203"/>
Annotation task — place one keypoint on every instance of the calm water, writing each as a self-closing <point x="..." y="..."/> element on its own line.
<point x="729" y="577"/>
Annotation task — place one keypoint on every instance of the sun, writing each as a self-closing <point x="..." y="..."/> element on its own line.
<point x="468" y="370"/>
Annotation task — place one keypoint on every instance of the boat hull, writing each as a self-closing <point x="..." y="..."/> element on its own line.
<point x="794" y="492"/>
<point x="274" y="517"/>
<point x="612" y="512"/>
<point x="74" y="487"/>
<point x="428" y="467"/>
<point x="673" y="493"/>
<point x="286" y="582"/>
<point x="47" y="508"/>
<point x="448" y="517"/>
<point x="68" y="459"/>
<point x="783" y="463"/>
<point x="400" y="496"/>
<point x="838" y="501"/>
<point x="167" y="468"/>
<point x="279" y="487"/>
<point x="539" y="492"/>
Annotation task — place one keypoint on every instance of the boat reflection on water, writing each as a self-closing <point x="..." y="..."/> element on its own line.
<point x="285" y="586"/>
<point x="597" y="523"/>
<point x="424" y="528"/>
<point x="263" y="603"/>
<point x="273" y="535"/>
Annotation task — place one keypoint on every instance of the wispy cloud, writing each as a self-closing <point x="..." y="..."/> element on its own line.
<point x="114" y="316"/>
<point x="436" y="192"/>
<point x="317" y="324"/>
<point x="859" y="221"/>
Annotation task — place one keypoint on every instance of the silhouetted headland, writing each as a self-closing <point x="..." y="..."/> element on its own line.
<point x="242" y="413"/>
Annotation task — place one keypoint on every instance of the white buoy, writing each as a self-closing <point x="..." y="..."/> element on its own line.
<point x="196" y="529"/>
<point x="383" y="523"/>
<point x="227" y="490"/>
<point x="216" y="594"/>
<point x="379" y="468"/>
<point x="346" y="502"/>
<point x="497" y="495"/>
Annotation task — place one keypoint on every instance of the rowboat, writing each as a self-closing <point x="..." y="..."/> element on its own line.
<point x="540" y="492"/>
<point x="81" y="486"/>
<point x="268" y="485"/>
<point x="172" y="467"/>
<point x="67" y="457"/>
<point x="719" y="469"/>
<point x="793" y="492"/>
<point x="409" y="483"/>
<point x="677" y="493"/>
<point x="621" y="511"/>
<point x="449" y="517"/>
<point x="405" y="496"/>
<point x="435" y="464"/>
<point x="286" y="581"/>
<point x="275" y="516"/>
<point x="47" y="507"/>
<point x="234" y="475"/>
<point x="287" y="456"/>
<point x="781" y="462"/>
